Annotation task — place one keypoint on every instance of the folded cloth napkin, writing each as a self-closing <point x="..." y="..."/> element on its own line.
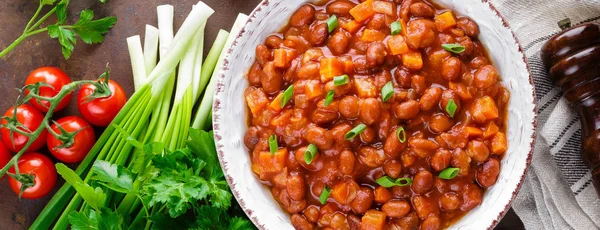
<point x="557" y="192"/>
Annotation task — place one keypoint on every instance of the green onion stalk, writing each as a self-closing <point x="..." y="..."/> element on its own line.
<point x="112" y="145"/>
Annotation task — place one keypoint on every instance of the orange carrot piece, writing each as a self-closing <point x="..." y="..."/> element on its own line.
<point x="412" y="60"/>
<point x="484" y="109"/>
<point x="382" y="195"/>
<point x="365" y="87"/>
<point x="445" y="21"/>
<point x="271" y="164"/>
<point x="397" y="45"/>
<point x="256" y="100"/>
<point x="373" y="220"/>
<point x="499" y="143"/>
<point x="275" y="105"/>
<point x="372" y="36"/>
<point x="282" y="119"/>
<point x="313" y="89"/>
<point x="383" y="7"/>
<point x="351" y="26"/>
<point x="330" y="68"/>
<point x="343" y="191"/>
<point x="473" y="132"/>
<point x="462" y="90"/>
<point x="282" y="57"/>
<point x="490" y="130"/>
<point x="363" y="11"/>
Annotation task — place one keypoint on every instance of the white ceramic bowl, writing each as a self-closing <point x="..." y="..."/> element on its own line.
<point x="270" y="15"/>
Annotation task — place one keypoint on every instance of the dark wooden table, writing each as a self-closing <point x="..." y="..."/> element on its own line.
<point x="87" y="62"/>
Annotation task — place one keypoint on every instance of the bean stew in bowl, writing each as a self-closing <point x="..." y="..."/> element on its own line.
<point x="377" y="115"/>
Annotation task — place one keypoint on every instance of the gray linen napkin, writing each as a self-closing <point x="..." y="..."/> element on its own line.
<point x="557" y="192"/>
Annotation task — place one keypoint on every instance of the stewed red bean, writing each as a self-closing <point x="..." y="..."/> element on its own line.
<point x="318" y="34"/>
<point x="396" y="208"/>
<point x="303" y="16"/>
<point x="370" y="109"/>
<point x="420" y="9"/>
<point x="451" y="69"/>
<point x="422" y="182"/>
<point x="340" y="7"/>
<point x="376" y="53"/>
<point x="487" y="173"/>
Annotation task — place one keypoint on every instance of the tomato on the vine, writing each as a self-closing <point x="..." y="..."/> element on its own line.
<point x="43" y="171"/>
<point x="101" y="111"/>
<point x="53" y="77"/>
<point x="30" y="118"/>
<point x="82" y="141"/>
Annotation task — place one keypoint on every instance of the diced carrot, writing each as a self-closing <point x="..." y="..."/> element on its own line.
<point x="283" y="57"/>
<point x="490" y="130"/>
<point x="282" y="119"/>
<point x="348" y="66"/>
<point x="397" y="45"/>
<point x="461" y="90"/>
<point x="499" y="143"/>
<point x="275" y="105"/>
<point x="384" y="7"/>
<point x="344" y="192"/>
<point x="271" y="164"/>
<point x="372" y="36"/>
<point x="351" y="26"/>
<point x="473" y="132"/>
<point x="484" y="109"/>
<point x="382" y="195"/>
<point x="403" y="23"/>
<point x="365" y="87"/>
<point x="373" y="220"/>
<point x="445" y="20"/>
<point x="363" y="11"/>
<point x="256" y="100"/>
<point x="412" y="60"/>
<point x="313" y="89"/>
<point x="330" y="68"/>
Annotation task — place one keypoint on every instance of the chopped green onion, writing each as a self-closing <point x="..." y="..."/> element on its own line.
<point x="273" y="144"/>
<point x="324" y="194"/>
<point x="311" y="152"/>
<point x="387" y="91"/>
<point x="341" y="80"/>
<point x="355" y="131"/>
<point x="332" y="23"/>
<point x="287" y="95"/>
<point x="451" y="108"/>
<point x="401" y="134"/>
<point x="329" y="97"/>
<point x="396" y="27"/>
<point x="388" y="182"/>
<point x="449" y="173"/>
<point x="454" y="48"/>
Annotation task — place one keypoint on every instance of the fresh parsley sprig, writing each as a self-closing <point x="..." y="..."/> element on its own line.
<point x="90" y="31"/>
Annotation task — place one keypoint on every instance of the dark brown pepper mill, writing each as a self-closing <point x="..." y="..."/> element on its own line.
<point x="573" y="59"/>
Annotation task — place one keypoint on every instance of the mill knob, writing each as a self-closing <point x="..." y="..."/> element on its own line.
<point x="573" y="60"/>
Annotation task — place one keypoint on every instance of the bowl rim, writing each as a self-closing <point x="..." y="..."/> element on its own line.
<point x="216" y="107"/>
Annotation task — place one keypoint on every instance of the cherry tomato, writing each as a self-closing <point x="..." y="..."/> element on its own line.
<point x="82" y="141"/>
<point x="5" y="156"/>
<point x="101" y="111"/>
<point x="52" y="76"/>
<point x="29" y="117"/>
<point x="44" y="171"/>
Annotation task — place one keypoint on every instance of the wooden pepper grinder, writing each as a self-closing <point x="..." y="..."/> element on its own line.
<point x="573" y="59"/>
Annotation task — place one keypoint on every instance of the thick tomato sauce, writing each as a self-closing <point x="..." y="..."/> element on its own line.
<point x="425" y="77"/>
